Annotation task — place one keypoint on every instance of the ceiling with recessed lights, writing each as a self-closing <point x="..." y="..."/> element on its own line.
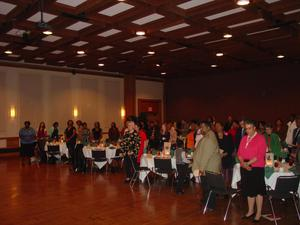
<point x="182" y="37"/>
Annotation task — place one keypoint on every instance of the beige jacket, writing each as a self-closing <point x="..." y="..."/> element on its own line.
<point x="206" y="156"/>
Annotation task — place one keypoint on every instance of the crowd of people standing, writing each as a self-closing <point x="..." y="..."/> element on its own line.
<point x="216" y="147"/>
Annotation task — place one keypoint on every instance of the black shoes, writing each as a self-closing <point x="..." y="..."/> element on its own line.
<point x="248" y="217"/>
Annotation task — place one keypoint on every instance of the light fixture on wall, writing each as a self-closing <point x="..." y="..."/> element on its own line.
<point x="75" y="112"/>
<point x="123" y="113"/>
<point x="12" y="112"/>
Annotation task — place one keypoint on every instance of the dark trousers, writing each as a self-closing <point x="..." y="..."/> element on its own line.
<point x="182" y="171"/>
<point x="128" y="165"/>
<point x="206" y="189"/>
<point x="71" y="149"/>
<point x="79" y="160"/>
<point x="41" y="145"/>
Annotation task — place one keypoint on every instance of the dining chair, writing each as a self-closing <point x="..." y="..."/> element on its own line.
<point x="136" y="173"/>
<point x="218" y="186"/>
<point x="164" y="166"/>
<point x="99" y="156"/>
<point x="286" y="188"/>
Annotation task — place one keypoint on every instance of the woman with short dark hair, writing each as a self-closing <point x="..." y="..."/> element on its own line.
<point x="251" y="154"/>
<point x="54" y="132"/>
<point x="70" y="137"/>
<point x="97" y="132"/>
<point x="28" y="141"/>
<point x="113" y="133"/>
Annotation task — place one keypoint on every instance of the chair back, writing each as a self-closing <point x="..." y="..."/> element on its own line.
<point x="53" y="149"/>
<point x="98" y="155"/>
<point x="216" y="182"/>
<point x="163" y="165"/>
<point x="118" y="152"/>
<point x="287" y="184"/>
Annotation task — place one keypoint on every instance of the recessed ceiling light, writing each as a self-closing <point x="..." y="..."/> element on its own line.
<point x="157" y="64"/>
<point x="227" y="36"/>
<point x="213" y="66"/>
<point x="8" y="52"/>
<point x="242" y="2"/>
<point x="280" y="56"/>
<point x="80" y="52"/>
<point x="140" y="33"/>
<point x="47" y="32"/>
<point x="163" y="73"/>
<point x="101" y="64"/>
<point x="219" y="54"/>
<point x="151" y="52"/>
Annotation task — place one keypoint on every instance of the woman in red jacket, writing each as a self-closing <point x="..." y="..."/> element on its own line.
<point x="143" y="140"/>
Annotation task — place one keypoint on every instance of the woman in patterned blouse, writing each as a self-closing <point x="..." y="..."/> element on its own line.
<point x="130" y="144"/>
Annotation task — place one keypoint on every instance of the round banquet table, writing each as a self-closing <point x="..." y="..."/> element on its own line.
<point x="62" y="148"/>
<point x="270" y="180"/>
<point x="147" y="160"/>
<point x="109" y="152"/>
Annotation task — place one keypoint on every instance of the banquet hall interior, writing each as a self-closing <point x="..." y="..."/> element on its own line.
<point x="142" y="112"/>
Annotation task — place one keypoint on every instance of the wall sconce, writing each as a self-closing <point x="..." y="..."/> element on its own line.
<point x="123" y="113"/>
<point x="12" y="112"/>
<point x="75" y="112"/>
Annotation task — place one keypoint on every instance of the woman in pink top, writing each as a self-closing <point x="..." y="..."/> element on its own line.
<point x="251" y="153"/>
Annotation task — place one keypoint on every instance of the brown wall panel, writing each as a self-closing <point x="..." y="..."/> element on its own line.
<point x="265" y="93"/>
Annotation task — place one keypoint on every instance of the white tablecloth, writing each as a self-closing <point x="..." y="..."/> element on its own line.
<point x="271" y="181"/>
<point x="62" y="148"/>
<point x="110" y="153"/>
<point x="148" y="161"/>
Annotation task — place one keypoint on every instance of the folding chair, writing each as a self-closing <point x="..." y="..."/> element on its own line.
<point x="53" y="150"/>
<point x="217" y="185"/>
<point x="286" y="188"/>
<point x="136" y="173"/>
<point x="164" y="166"/>
<point x="99" y="156"/>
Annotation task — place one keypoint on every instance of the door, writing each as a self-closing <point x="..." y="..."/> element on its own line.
<point x="150" y="109"/>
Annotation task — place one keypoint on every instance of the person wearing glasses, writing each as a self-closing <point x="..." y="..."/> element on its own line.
<point x="251" y="154"/>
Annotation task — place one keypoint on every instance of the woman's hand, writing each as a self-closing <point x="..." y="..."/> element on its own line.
<point x="249" y="168"/>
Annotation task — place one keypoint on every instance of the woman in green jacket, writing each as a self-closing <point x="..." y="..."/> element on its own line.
<point x="274" y="143"/>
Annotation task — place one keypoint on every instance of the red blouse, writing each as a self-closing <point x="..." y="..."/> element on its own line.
<point x="143" y="138"/>
<point x="253" y="148"/>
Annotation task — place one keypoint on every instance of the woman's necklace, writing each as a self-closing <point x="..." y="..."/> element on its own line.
<point x="249" y="139"/>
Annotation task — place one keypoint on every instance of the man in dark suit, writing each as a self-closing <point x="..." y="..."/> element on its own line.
<point x="240" y="134"/>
